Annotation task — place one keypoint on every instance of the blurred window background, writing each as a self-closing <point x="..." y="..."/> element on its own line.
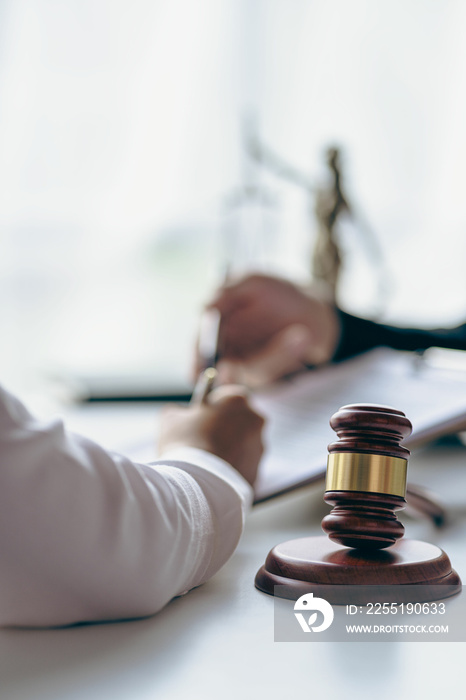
<point x="129" y="175"/>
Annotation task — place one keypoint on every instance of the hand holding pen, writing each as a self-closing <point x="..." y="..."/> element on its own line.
<point x="270" y="329"/>
<point x="218" y="420"/>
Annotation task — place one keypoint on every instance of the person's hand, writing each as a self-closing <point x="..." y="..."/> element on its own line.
<point x="224" y="425"/>
<point x="270" y="328"/>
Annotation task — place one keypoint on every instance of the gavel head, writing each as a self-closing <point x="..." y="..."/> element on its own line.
<point x="366" y="476"/>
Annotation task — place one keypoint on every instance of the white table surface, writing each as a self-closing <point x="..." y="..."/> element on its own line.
<point x="217" y="642"/>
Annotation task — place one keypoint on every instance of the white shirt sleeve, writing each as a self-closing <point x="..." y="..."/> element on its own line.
<point x="89" y="535"/>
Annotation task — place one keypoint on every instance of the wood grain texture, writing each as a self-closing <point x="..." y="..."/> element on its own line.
<point x="363" y="520"/>
<point x="316" y="564"/>
<point x="370" y="428"/>
<point x="353" y="564"/>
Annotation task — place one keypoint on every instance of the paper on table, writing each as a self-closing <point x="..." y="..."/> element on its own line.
<point x="298" y="411"/>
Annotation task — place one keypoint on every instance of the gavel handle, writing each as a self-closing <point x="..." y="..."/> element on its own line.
<point x="423" y="501"/>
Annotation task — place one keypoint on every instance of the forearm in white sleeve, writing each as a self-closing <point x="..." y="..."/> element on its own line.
<point x="89" y="535"/>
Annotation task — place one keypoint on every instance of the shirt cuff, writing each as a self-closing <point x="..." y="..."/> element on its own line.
<point x="211" y="463"/>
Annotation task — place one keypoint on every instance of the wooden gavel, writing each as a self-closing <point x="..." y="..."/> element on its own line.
<point x="366" y="476"/>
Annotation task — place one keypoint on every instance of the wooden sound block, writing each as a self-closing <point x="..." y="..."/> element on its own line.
<point x="329" y="570"/>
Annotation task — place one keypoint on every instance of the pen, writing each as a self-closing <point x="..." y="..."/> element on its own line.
<point x="208" y="337"/>
<point x="204" y="385"/>
<point x="208" y="351"/>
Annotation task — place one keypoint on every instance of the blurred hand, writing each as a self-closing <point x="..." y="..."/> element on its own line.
<point x="271" y="328"/>
<point x="225" y="425"/>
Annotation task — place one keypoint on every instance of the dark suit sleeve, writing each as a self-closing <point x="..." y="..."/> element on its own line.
<point x="359" y="335"/>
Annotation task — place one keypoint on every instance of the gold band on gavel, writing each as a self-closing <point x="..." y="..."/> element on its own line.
<point x="349" y="471"/>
